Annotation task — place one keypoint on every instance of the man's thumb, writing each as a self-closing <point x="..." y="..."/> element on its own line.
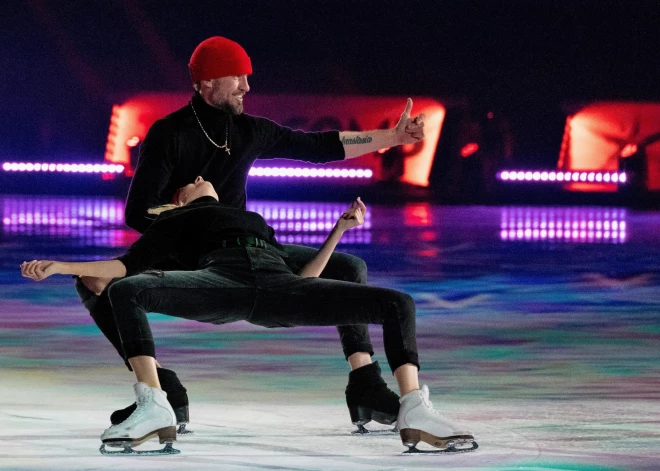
<point x="406" y="112"/>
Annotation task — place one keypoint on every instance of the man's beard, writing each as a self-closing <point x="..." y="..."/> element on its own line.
<point x="228" y="108"/>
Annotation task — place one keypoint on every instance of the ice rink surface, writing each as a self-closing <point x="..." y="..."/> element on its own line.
<point x="538" y="327"/>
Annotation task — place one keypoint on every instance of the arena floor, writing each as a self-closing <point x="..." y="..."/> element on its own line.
<point x="539" y="327"/>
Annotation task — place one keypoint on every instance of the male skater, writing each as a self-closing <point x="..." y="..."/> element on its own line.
<point x="213" y="138"/>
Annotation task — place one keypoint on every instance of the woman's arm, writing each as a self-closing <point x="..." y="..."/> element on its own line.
<point x="352" y="217"/>
<point x="42" y="269"/>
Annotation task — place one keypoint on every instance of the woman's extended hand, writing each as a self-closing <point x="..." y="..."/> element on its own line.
<point x="353" y="216"/>
<point x="38" y="269"/>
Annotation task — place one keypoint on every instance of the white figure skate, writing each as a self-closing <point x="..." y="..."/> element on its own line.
<point x="418" y="421"/>
<point x="152" y="417"/>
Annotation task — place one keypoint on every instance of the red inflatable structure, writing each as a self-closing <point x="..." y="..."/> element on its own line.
<point x="613" y="136"/>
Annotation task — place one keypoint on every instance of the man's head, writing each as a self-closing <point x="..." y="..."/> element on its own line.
<point x="219" y="68"/>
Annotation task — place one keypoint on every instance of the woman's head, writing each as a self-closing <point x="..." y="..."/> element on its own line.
<point x="187" y="194"/>
<point x="192" y="191"/>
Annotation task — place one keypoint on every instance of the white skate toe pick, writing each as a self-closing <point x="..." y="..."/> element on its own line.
<point x="418" y="421"/>
<point x="152" y="417"/>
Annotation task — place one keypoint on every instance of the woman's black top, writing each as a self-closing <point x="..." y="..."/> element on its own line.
<point x="189" y="233"/>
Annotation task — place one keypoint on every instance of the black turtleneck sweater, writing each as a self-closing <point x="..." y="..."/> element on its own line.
<point x="175" y="151"/>
<point x="188" y="233"/>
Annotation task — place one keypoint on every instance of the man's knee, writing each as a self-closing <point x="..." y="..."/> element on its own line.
<point x="91" y="300"/>
<point x="405" y="301"/>
<point x="122" y="290"/>
<point x="345" y="267"/>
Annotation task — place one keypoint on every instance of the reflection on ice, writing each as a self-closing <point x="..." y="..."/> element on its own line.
<point x="99" y="221"/>
<point x="563" y="224"/>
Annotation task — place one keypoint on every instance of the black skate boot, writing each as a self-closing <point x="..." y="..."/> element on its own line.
<point x="368" y="398"/>
<point x="176" y="396"/>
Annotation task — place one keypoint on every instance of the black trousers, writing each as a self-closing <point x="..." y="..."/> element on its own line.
<point x="257" y="286"/>
<point x="342" y="267"/>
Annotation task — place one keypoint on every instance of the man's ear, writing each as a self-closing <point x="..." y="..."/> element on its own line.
<point x="204" y="84"/>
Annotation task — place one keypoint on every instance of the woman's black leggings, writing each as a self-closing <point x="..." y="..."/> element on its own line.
<point x="255" y="285"/>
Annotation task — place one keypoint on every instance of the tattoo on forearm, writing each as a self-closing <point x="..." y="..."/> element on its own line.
<point x="356" y="140"/>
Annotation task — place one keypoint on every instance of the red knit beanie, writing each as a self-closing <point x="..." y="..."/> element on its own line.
<point x="218" y="57"/>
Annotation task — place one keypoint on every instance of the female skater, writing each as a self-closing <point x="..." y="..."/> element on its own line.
<point x="237" y="271"/>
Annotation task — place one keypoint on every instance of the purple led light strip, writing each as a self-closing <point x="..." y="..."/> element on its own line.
<point x="290" y="172"/>
<point x="559" y="176"/>
<point x="61" y="168"/>
<point x="310" y="172"/>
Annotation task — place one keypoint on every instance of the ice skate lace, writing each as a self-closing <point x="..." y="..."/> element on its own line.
<point x="141" y="403"/>
<point x="429" y="404"/>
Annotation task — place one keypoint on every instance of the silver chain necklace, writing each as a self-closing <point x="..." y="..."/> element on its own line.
<point x="225" y="147"/>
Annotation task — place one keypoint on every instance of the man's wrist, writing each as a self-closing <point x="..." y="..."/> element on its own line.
<point x="393" y="138"/>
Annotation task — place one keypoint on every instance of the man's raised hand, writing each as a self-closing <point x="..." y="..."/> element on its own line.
<point x="409" y="130"/>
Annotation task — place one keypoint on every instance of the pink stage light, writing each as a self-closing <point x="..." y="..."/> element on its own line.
<point x="469" y="149"/>
<point x="133" y="141"/>
<point x="61" y="168"/>
<point x="629" y="150"/>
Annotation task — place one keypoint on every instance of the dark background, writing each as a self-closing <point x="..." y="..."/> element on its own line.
<point x="64" y="63"/>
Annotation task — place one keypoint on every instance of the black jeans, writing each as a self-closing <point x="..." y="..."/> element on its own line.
<point x="256" y="285"/>
<point x="343" y="267"/>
